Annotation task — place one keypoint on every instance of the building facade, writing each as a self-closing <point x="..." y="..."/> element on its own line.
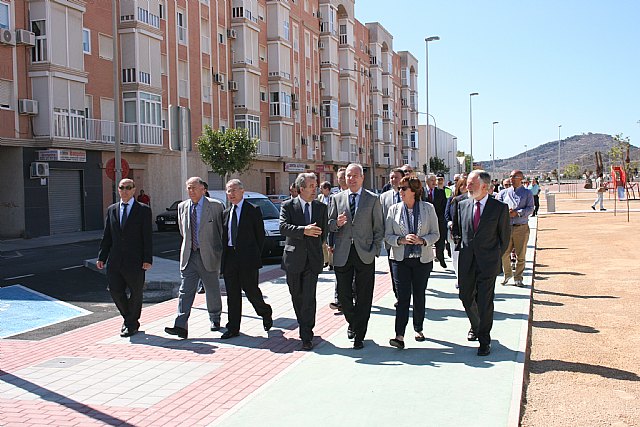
<point x="318" y="89"/>
<point x="442" y="145"/>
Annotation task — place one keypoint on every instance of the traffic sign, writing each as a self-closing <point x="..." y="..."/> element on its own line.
<point x="110" y="168"/>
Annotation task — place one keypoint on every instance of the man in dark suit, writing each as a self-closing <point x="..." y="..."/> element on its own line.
<point x="243" y="238"/>
<point x="303" y="221"/>
<point x="126" y="249"/>
<point x="355" y="218"/>
<point x="483" y="224"/>
<point x="200" y="223"/>
<point x="438" y="199"/>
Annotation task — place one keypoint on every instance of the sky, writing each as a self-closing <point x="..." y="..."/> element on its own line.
<point x="536" y="64"/>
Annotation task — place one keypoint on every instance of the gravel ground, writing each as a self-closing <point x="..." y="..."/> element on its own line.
<point x="584" y="365"/>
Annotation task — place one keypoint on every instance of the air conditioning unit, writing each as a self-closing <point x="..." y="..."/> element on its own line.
<point x="7" y="37"/>
<point x="321" y="45"/>
<point x="25" y="37"/>
<point x="304" y="141"/>
<point x="28" y="107"/>
<point x="218" y="78"/>
<point x="231" y="33"/>
<point x="357" y="123"/>
<point x="367" y="126"/>
<point x="39" y="170"/>
<point x="233" y="85"/>
<point x="360" y="150"/>
<point x="295" y="105"/>
<point x="314" y="110"/>
<point x="316" y="137"/>
<point x="321" y="85"/>
<point x="324" y="153"/>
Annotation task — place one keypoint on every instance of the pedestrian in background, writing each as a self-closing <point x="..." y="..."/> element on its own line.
<point x="388" y="199"/>
<point x="325" y="197"/>
<point x="144" y="198"/>
<point x="534" y="187"/>
<point x="459" y="194"/>
<point x="126" y="248"/>
<point x="411" y="229"/>
<point x="601" y="188"/>
<point x="342" y="184"/>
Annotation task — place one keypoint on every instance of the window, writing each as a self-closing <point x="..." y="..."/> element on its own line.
<point x="163" y="64"/>
<point x="4" y="16"/>
<point x="183" y="79"/>
<point x="280" y="104"/>
<point x="150" y="109"/>
<point x="205" y="40"/>
<point x="220" y="38"/>
<point x="39" y="52"/>
<point x="161" y="10"/>
<point x="285" y="29"/>
<point x="181" y="25"/>
<point x="6" y="94"/>
<point x="86" y="41"/>
<point x="105" y="44"/>
<point x="249" y="122"/>
<point x="263" y="94"/>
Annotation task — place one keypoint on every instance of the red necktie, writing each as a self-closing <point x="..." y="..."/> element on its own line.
<point x="476" y="217"/>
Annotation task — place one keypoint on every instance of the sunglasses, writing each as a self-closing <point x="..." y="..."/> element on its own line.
<point x="516" y="177"/>
<point x="125" y="187"/>
<point x="405" y="188"/>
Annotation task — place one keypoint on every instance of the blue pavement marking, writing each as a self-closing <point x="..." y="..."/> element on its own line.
<point x="23" y="310"/>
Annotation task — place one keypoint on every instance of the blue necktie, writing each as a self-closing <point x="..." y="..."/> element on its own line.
<point x="124" y="215"/>
<point x="352" y="205"/>
<point x="307" y="214"/>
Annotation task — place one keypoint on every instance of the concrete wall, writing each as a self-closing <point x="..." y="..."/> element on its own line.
<point x="11" y="192"/>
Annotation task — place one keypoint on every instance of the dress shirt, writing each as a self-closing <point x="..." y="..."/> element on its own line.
<point x="198" y="213"/>
<point x="326" y="199"/>
<point x="303" y="203"/>
<point x="129" y="206"/>
<point x="483" y="203"/>
<point x="520" y="200"/>
<point x="238" y="209"/>
<point x="357" y="197"/>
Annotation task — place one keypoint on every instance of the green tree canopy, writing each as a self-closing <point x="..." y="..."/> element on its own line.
<point x="231" y="151"/>
<point x="437" y="165"/>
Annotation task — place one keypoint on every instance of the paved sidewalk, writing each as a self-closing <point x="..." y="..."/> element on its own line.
<point x="91" y="376"/>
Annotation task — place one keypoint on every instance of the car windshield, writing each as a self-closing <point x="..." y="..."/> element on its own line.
<point x="268" y="209"/>
<point x="174" y="206"/>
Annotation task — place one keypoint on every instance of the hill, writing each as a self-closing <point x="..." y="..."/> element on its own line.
<point x="577" y="149"/>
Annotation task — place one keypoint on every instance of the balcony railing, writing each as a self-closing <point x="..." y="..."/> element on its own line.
<point x="268" y="148"/>
<point x="70" y="126"/>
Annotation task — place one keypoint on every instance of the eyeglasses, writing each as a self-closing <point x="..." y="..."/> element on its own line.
<point x="125" y="187"/>
<point x="403" y="188"/>
<point x="516" y="177"/>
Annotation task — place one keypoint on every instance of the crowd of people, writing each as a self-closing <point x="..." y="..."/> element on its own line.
<point x="478" y="222"/>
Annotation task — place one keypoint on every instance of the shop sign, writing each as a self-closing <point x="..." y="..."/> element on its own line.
<point x="295" y="167"/>
<point x="59" y="155"/>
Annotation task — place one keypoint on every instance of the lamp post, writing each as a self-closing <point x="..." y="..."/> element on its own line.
<point x="455" y="147"/>
<point x="471" y="95"/>
<point x="116" y="93"/>
<point x="449" y="162"/>
<point x="559" y="126"/>
<point x="493" y="148"/>
<point x="526" y="158"/>
<point x="426" y="44"/>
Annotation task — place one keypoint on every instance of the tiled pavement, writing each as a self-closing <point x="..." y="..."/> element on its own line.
<point x="91" y="376"/>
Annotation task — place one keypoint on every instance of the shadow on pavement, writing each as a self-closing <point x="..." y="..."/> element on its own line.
<point x="550" y="324"/>
<point x="549" y="365"/>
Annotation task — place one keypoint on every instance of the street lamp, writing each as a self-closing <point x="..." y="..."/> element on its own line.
<point x="116" y="93"/>
<point x="472" y="94"/>
<point x="493" y="144"/>
<point x="455" y="147"/>
<point x="526" y="158"/>
<point x="559" y="126"/>
<point x="426" y="43"/>
<point x="449" y="162"/>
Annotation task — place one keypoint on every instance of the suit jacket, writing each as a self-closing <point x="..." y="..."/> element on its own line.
<point x="250" y="235"/>
<point x="489" y="243"/>
<point x="298" y="248"/>
<point x="209" y="233"/>
<point x="366" y="229"/>
<point x="127" y="249"/>
<point x="439" y="202"/>
<point x="429" y="231"/>
<point x="387" y="199"/>
<point x="320" y="198"/>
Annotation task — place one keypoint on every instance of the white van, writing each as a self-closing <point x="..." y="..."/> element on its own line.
<point x="274" y="242"/>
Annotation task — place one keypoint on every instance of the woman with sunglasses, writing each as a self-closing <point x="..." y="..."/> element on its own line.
<point x="411" y="228"/>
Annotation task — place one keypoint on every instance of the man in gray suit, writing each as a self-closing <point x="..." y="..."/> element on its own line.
<point x="200" y="223"/>
<point x="355" y="218"/>
<point x="388" y="199"/>
<point x="483" y="224"/>
<point x="303" y="221"/>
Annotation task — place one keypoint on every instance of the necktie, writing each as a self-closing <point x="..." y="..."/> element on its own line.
<point x="431" y="195"/>
<point x="234" y="225"/>
<point x="352" y="205"/>
<point x="476" y="217"/>
<point x="398" y="197"/>
<point x="194" y="228"/>
<point x="124" y="215"/>
<point x="307" y="214"/>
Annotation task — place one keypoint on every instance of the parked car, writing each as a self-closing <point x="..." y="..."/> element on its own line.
<point x="274" y="241"/>
<point x="168" y="220"/>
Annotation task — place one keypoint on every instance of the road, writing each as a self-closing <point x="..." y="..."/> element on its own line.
<point x="58" y="272"/>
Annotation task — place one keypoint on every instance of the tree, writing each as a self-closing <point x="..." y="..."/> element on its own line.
<point x="618" y="152"/>
<point x="572" y="171"/>
<point x="437" y="165"/>
<point x="231" y="151"/>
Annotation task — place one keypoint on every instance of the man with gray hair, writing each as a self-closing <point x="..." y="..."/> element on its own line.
<point x="200" y="224"/>
<point x="483" y="224"/>
<point x="303" y="221"/>
<point x="355" y="218"/>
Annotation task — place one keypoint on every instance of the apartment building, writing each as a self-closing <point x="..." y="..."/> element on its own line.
<point x="318" y="89"/>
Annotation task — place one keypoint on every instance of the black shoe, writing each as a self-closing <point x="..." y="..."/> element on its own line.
<point x="176" y="330"/>
<point x="215" y="326"/>
<point x="358" y="345"/>
<point x="128" y="332"/>
<point x="229" y="334"/>
<point x="267" y="322"/>
<point x="334" y="306"/>
<point x="201" y="290"/>
<point x="484" y="350"/>
<point x="330" y="267"/>
<point x="593" y="207"/>
<point x="326" y="264"/>
<point x="351" y="334"/>
<point x="123" y="327"/>
<point x="471" y="336"/>
<point x="443" y="264"/>
<point x="394" y="343"/>
<point x="307" y="345"/>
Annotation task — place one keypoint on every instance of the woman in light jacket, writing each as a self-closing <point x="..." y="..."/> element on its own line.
<point x="411" y="228"/>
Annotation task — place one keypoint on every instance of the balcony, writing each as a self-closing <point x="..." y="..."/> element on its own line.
<point x="268" y="148"/>
<point x="71" y="126"/>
